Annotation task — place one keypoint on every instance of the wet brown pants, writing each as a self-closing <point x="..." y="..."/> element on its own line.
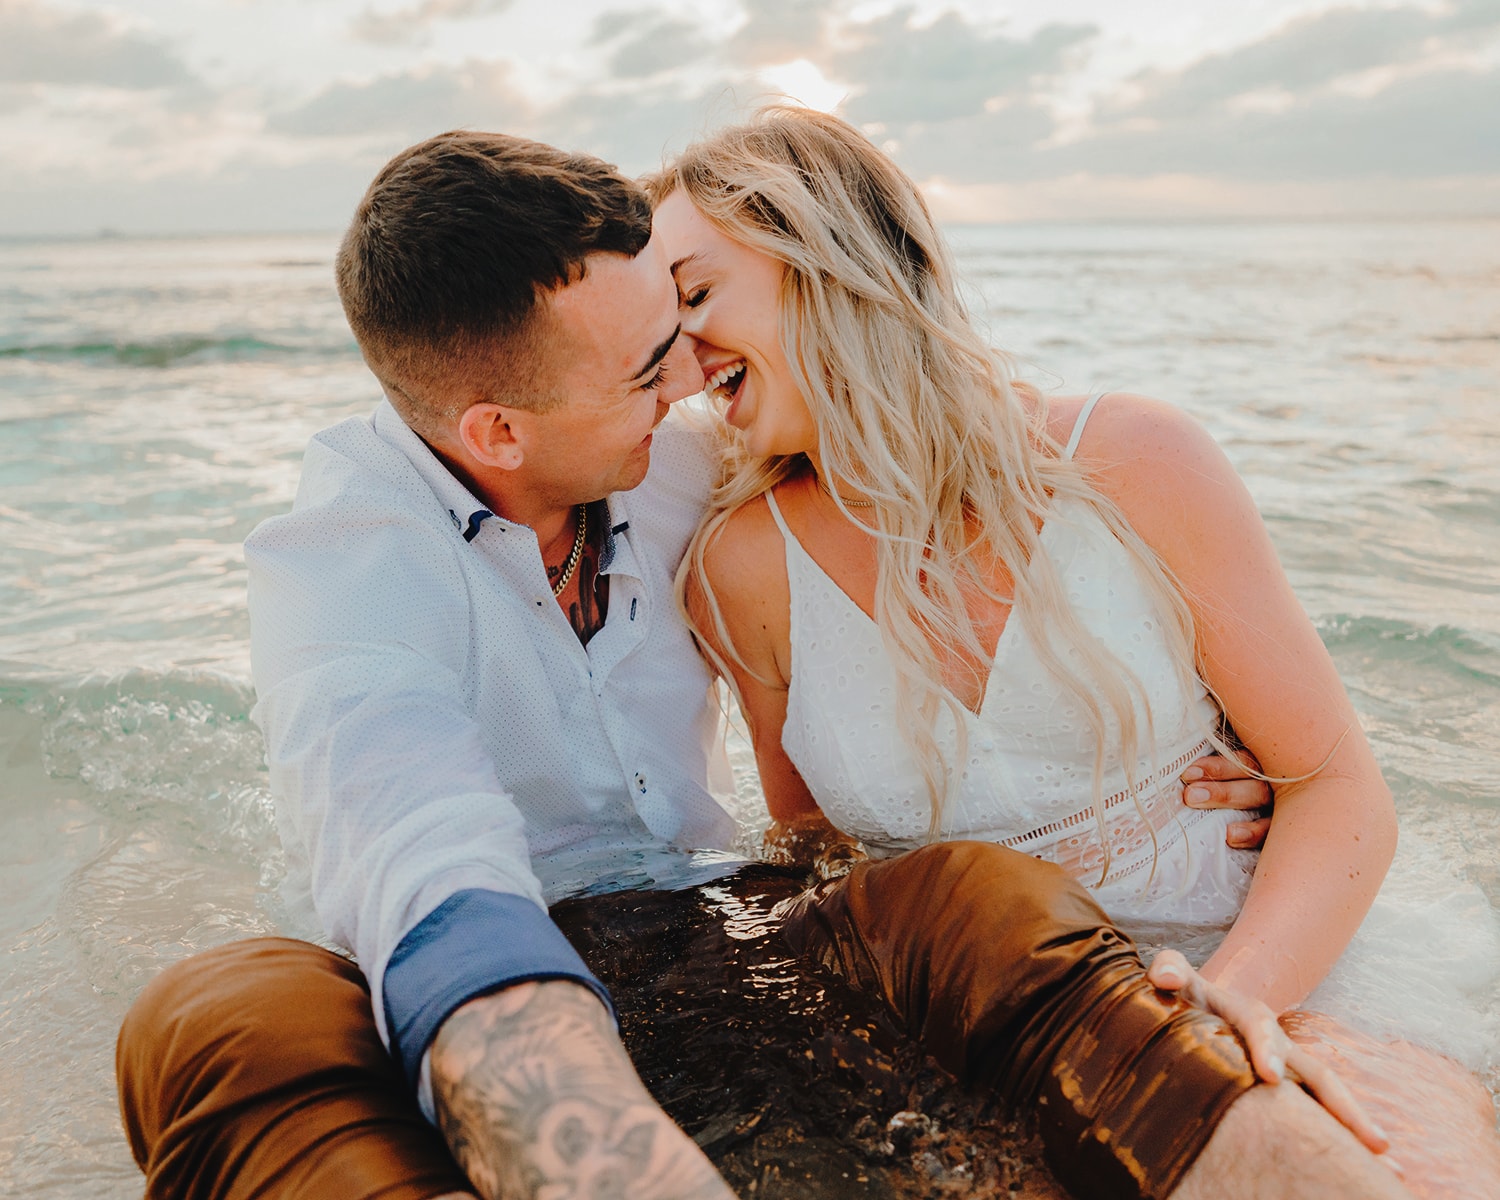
<point x="254" y="1070"/>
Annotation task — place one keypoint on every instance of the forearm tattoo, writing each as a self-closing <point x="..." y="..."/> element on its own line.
<point x="537" y="1099"/>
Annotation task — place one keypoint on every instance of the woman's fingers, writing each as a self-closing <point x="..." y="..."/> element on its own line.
<point x="1265" y="1041"/>
<point x="1333" y="1094"/>
<point x="1273" y="1055"/>
<point x="1171" y="973"/>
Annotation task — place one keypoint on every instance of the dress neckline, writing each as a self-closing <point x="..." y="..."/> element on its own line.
<point x="1001" y="643"/>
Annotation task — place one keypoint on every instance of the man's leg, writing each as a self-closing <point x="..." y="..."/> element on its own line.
<point x="1278" y="1143"/>
<point x="254" y="1070"/>
<point x="1016" y="981"/>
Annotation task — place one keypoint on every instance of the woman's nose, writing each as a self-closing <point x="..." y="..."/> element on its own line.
<point x="684" y="375"/>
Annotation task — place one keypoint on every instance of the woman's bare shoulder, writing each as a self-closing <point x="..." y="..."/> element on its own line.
<point x="744" y="566"/>
<point x="1133" y="441"/>
<point x="1170" y="479"/>
<point x="746" y="543"/>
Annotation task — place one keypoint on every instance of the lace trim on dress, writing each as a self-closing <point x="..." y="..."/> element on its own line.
<point x="1130" y="832"/>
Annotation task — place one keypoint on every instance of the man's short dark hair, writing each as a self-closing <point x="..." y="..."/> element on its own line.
<point x="442" y="271"/>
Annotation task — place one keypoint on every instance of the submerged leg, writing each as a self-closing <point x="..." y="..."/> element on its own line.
<point x="254" y="1069"/>
<point x="1440" y="1119"/>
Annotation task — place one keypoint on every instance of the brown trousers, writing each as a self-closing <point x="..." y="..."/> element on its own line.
<point x="254" y="1070"/>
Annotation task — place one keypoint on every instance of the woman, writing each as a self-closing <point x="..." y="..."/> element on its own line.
<point x="953" y="608"/>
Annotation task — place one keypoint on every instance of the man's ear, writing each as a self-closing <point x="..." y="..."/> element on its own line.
<point x="495" y="435"/>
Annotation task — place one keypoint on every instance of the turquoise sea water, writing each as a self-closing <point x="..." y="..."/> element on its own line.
<point x="155" y="397"/>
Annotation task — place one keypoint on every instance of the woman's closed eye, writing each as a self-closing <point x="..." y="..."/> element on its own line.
<point x="693" y="298"/>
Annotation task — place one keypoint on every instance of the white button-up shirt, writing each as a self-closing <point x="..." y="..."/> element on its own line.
<point x="433" y="724"/>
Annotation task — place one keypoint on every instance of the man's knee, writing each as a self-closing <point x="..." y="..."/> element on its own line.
<point x="233" y="1023"/>
<point x="256" y="1069"/>
<point x="243" y="993"/>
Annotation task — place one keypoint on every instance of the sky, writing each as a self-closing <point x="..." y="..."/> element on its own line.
<point x="161" y="116"/>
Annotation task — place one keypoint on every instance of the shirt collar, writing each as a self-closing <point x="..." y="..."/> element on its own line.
<point x="465" y="510"/>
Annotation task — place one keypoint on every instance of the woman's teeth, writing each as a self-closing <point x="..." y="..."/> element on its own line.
<point x="720" y="380"/>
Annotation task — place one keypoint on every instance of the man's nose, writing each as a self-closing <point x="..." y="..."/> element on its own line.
<point x="684" y="377"/>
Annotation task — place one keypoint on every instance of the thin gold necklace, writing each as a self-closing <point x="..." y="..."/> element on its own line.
<point x="844" y="499"/>
<point x="576" y="554"/>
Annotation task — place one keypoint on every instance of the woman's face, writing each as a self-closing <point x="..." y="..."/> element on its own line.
<point x="729" y="303"/>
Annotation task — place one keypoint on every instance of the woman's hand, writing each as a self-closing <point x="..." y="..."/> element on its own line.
<point x="1274" y="1056"/>
<point x="1218" y="782"/>
<point x="811" y="843"/>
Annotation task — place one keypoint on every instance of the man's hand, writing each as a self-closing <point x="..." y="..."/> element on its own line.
<point x="1274" y="1056"/>
<point x="1218" y="782"/>
<point x="537" y="1099"/>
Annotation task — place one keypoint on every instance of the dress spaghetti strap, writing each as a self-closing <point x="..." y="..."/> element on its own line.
<point x="775" y="508"/>
<point x="1083" y="416"/>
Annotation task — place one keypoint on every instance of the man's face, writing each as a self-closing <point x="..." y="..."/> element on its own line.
<point x="616" y="358"/>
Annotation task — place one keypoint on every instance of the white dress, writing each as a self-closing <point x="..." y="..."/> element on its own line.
<point x="1028" y="783"/>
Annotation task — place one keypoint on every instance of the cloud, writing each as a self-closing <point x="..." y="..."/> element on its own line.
<point x="1310" y="53"/>
<point x="413" y="23"/>
<point x="1348" y="93"/>
<point x="637" y="130"/>
<point x="411" y="105"/>
<point x="778" y="31"/>
<point x="242" y="195"/>
<point x="948" y="69"/>
<point x="1438" y="122"/>
<point x="1369" y="109"/>
<point x="649" y="42"/>
<point x="41" y="45"/>
<point x="15" y="98"/>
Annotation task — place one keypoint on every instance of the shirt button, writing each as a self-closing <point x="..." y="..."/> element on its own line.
<point x="640" y="783"/>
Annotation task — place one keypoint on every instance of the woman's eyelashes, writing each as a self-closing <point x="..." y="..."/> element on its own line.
<point x="693" y="298"/>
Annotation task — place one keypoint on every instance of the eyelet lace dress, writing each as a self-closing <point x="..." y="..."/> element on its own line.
<point x="1421" y="966"/>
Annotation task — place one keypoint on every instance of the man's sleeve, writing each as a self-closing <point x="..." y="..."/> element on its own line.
<point x="417" y="855"/>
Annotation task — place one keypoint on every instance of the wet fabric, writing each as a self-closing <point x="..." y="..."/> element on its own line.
<point x="1016" y="981"/>
<point x="255" y="1069"/>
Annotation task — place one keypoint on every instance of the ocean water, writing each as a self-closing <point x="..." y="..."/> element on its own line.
<point x="155" y="397"/>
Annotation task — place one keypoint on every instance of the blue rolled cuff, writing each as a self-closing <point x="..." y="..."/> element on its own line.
<point x="473" y="943"/>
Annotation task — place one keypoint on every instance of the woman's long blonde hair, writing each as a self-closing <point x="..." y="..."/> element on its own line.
<point x="916" y="411"/>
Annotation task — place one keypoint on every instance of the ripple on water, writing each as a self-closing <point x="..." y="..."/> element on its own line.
<point x="139" y="831"/>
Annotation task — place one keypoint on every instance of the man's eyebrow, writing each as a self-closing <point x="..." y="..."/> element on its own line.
<point x="658" y="354"/>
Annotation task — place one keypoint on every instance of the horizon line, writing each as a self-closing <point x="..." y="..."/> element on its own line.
<point x="105" y="233"/>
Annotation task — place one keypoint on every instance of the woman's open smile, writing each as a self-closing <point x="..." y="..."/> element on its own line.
<point x="730" y="297"/>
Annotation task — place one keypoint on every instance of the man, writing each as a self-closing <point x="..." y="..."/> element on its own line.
<point x="478" y="698"/>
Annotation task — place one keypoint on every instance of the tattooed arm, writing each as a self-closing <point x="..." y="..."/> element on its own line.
<point x="537" y="1098"/>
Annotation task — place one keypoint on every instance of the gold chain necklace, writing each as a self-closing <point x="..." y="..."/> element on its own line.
<point x="844" y="499"/>
<point x="576" y="554"/>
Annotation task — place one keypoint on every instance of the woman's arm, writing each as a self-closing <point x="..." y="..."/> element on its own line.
<point x="758" y="620"/>
<point x="1333" y="835"/>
